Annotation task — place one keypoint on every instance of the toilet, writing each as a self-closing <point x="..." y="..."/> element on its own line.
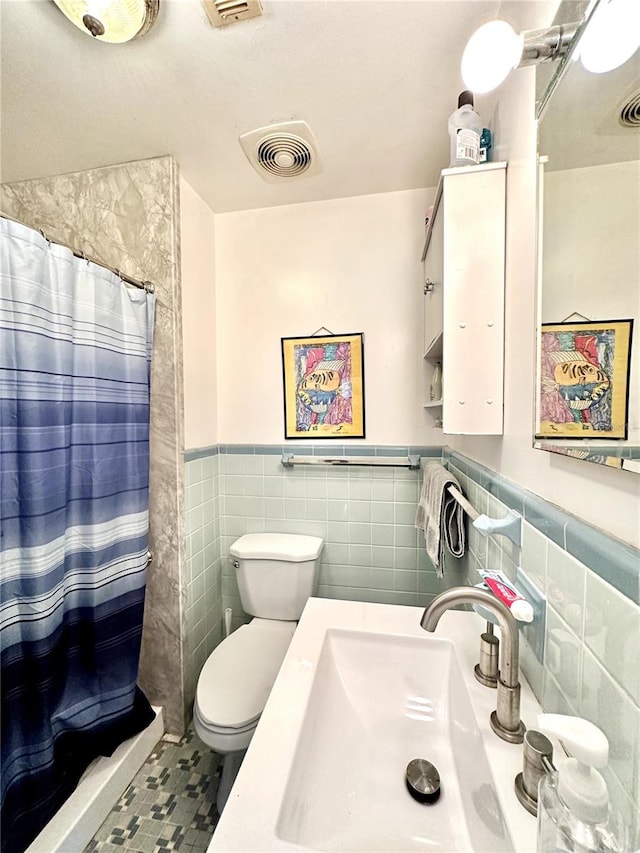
<point x="276" y="572"/>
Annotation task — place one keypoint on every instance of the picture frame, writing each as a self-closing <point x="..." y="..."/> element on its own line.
<point x="323" y="378"/>
<point x="583" y="385"/>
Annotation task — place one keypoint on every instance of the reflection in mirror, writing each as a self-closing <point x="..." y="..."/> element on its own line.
<point x="588" y="383"/>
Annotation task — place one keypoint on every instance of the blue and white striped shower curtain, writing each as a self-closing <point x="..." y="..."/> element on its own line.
<point x="75" y="355"/>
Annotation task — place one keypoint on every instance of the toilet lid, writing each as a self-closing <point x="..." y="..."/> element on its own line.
<point x="291" y="547"/>
<point x="236" y="680"/>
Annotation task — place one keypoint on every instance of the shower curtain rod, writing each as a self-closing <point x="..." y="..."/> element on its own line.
<point x="149" y="286"/>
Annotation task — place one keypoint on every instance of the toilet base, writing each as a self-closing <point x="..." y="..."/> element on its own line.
<point x="230" y="767"/>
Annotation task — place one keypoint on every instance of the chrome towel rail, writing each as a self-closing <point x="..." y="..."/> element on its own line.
<point x="411" y="462"/>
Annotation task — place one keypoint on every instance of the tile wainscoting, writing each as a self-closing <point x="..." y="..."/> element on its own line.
<point x="591" y="634"/>
<point x="203" y="612"/>
<point x="365" y="515"/>
<point x="581" y="658"/>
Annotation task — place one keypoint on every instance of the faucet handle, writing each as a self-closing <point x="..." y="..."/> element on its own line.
<point x="536" y="761"/>
<point x="486" y="671"/>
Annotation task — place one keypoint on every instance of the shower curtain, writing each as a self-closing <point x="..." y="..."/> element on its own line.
<point x="75" y="354"/>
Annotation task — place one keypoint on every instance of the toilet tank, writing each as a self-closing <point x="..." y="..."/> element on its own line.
<point x="277" y="572"/>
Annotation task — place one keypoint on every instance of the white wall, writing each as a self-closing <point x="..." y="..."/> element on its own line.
<point x="606" y="498"/>
<point x="598" y="210"/>
<point x="351" y="265"/>
<point x="197" y="227"/>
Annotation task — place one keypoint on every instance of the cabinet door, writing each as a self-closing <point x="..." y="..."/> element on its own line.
<point x="433" y="269"/>
<point x="473" y="346"/>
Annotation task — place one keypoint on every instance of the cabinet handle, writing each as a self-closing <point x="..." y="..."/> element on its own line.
<point x="429" y="286"/>
<point x="489" y="402"/>
<point x="463" y="325"/>
<point x="489" y="322"/>
<point x="461" y="402"/>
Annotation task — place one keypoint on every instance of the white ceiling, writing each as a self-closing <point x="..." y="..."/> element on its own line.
<point x="581" y="125"/>
<point x="375" y="80"/>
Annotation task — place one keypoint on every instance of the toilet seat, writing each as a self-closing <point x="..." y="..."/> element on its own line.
<point x="237" y="677"/>
<point x="222" y="740"/>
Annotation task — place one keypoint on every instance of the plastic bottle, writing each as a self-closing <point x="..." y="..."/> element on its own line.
<point x="485" y="145"/>
<point x="573" y="802"/>
<point x="435" y="391"/>
<point x="465" y="129"/>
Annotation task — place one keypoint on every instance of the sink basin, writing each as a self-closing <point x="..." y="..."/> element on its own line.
<point x="362" y="691"/>
<point x="377" y="702"/>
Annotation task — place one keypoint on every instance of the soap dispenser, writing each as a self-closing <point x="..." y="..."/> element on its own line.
<point x="574" y="813"/>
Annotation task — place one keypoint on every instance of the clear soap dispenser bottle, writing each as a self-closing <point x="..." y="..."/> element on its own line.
<point x="574" y="813"/>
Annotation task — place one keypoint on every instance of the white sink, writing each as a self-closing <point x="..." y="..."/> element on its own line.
<point x="377" y="702"/>
<point x="363" y="691"/>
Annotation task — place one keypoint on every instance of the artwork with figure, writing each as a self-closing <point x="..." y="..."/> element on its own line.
<point x="323" y="386"/>
<point x="584" y="379"/>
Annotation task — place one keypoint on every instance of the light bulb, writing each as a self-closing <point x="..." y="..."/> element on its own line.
<point x="97" y="8"/>
<point x="491" y="53"/>
<point x="114" y="21"/>
<point x="612" y="35"/>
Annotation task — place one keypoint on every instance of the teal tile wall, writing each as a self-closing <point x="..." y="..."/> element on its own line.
<point x="612" y="560"/>
<point x="365" y="515"/>
<point x="581" y="659"/>
<point x="591" y="636"/>
<point x="203" y="617"/>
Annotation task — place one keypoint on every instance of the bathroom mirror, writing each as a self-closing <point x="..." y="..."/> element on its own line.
<point x="588" y="324"/>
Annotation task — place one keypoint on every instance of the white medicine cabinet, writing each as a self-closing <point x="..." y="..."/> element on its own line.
<point x="464" y="265"/>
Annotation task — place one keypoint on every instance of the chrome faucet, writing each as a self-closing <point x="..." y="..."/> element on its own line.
<point x="505" y="720"/>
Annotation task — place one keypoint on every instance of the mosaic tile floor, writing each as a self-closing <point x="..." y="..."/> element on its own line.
<point x="170" y="804"/>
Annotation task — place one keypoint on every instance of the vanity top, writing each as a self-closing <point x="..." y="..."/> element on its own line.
<point x="362" y="691"/>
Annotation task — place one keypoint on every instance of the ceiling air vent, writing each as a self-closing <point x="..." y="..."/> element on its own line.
<point x="630" y="111"/>
<point x="282" y="151"/>
<point x="221" y="13"/>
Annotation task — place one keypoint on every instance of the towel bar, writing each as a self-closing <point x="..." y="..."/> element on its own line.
<point x="464" y="503"/>
<point x="509" y="526"/>
<point x="411" y="462"/>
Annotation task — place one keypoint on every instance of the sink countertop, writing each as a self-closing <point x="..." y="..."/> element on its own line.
<point x="251" y="814"/>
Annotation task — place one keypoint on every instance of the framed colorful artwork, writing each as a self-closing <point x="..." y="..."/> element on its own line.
<point x="584" y="379"/>
<point x="323" y="386"/>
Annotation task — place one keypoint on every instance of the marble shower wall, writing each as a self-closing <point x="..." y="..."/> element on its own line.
<point x="127" y="217"/>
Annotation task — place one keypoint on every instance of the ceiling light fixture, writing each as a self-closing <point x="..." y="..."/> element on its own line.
<point x="495" y="49"/>
<point x="609" y="36"/>
<point x="113" y="21"/>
